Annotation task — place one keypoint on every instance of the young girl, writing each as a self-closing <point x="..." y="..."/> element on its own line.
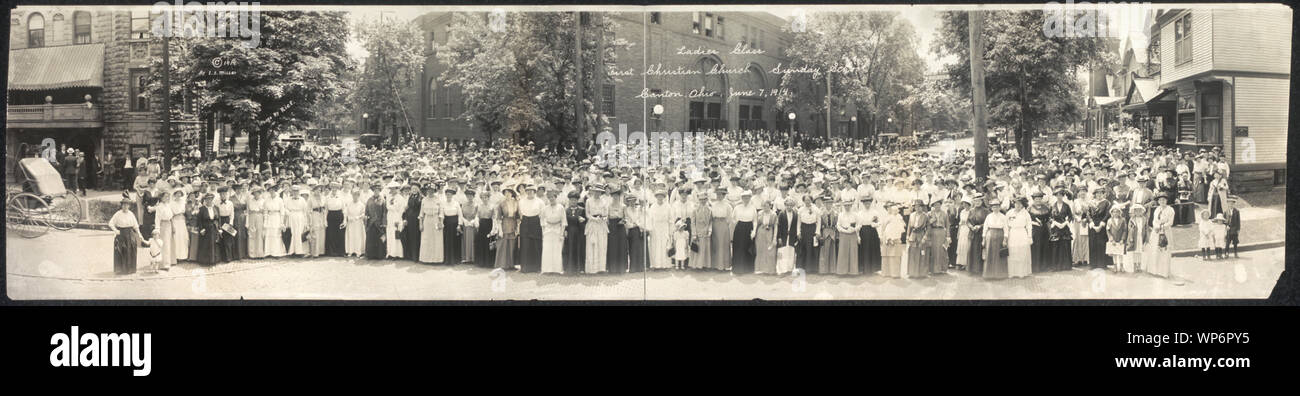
<point x="1116" y="235"/>
<point x="1209" y="234"/>
<point x="157" y="259"/>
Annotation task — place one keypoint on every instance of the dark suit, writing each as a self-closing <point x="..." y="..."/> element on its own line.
<point x="787" y="228"/>
<point x="375" y="212"/>
<point x="1234" y="228"/>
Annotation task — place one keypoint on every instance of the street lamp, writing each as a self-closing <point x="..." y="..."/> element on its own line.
<point x="658" y="112"/>
<point x="790" y="140"/>
<point x="365" y="122"/>
<point x="853" y="124"/>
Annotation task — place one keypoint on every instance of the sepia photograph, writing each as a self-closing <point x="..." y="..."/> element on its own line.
<point x="247" y="151"/>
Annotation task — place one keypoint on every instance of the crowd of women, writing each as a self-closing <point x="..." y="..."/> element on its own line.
<point x="747" y="206"/>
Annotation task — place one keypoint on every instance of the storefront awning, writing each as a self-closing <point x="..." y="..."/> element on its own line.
<point x="46" y="68"/>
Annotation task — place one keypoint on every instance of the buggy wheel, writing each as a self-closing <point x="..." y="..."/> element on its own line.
<point x="65" y="211"/>
<point x="19" y="219"/>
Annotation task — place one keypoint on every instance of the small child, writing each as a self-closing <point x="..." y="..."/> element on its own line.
<point x="155" y="245"/>
<point x="1220" y="231"/>
<point x="1209" y="237"/>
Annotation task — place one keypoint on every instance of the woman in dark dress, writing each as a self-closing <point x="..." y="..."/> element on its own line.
<point x="1097" y="235"/>
<point x="869" y="249"/>
<point x="241" y="222"/>
<point x="635" y="220"/>
<point x="530" y="231"/>
<point x="208" y="232"/>
<point x="616" y="249"/>
<point x="806" y="258"/>
<point x="574" y="241"/>
<point x="127" y="240"/>
<point x="1060" y="241"/>
<point x="149" y="200"/>
<point x="335" y="235"/>
<point x="1040" y="214"/>
<point x="375" y="215"/>
<point x="483" y="253"/>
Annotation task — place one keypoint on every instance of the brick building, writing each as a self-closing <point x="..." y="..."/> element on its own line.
<point x="660" y="41"/>
<point x="77" y="77"/>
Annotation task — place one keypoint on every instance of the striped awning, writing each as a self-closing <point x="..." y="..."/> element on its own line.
<point x="46" y="68"/>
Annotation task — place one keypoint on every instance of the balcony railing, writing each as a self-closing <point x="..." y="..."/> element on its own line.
<point x="54" y="113"/>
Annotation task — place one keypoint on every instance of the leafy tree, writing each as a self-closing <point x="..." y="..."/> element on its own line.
<point x="396" y="58"/>
<point x="1030" y="79"/>
<point x="276" y="86"/>
<point x="528" y="70"/>
<point x="871" y="58"/>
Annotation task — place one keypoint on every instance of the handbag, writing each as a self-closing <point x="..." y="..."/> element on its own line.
<point x="1004" y="252"/>
<point x="1164" y="242"/>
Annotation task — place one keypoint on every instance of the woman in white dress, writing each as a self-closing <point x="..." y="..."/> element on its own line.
<point x="1020" y="239"/>
<point x="296" y="219"/>
<point x="396" y="206"/>
<point x="354" y="213"/>
<point x="597" y="231"/>
<point x="963" y="234"/>
<point x="163" y="227"/>
<point x="553" y="223"/>
<point x="256" y="221"/>
<point x="1162" y="221"/>
<point x="273" y="216"/>
<point x="431" y="227"/>
<point x="180" y="231"/>
<point x="661" y="228"/>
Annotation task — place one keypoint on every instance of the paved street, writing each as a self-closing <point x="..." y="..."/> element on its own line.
<point x="77" y="265"/>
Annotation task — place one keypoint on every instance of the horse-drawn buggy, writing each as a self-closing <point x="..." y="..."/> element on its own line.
<point x="37" y="200"/>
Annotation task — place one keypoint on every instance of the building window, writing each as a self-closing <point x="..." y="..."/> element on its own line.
<point x="1183" y="39"/>
<point x="654" y="18"/>
<point x="35" y="31"/>
<point x="1153" y="50"/>
<point x="607" y="100"/>
<point x="431" y="98"/>
<point x="140" y="24"/>
<point x="1211" y="115"/>
<point x="81" y="27"/>
<point x="433" y="41"/>
<point x="708" y="24"/>
<point x="721" y="29"/>
<point x="139" y="81"/>
<point x="695" y="22"/>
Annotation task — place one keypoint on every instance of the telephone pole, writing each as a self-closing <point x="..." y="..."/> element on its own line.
<point x="977" y="94"/>
<point x="578" y="113"/>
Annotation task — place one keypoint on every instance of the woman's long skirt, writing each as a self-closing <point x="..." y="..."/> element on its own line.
<point x="335" y="237"/>
<point x="1097" y="257"/>
<point x="699" y="254"/>
<point x="975" y="252"/>
<point x="180" y="238"/>
<point x="505" y="251"/>
<point x="165" y="236"/>
<point x="636" y="250"/>
<point x="1157" y="260"/>
<point x="451" y="242"/>
<point x="530" y="244"/>
<point x="482" y="244"/>
<point x="963" y="246"/>
<point x="1082" y="249"/>
<point x="827" y="257"/>
<point x="318" y="230"/>
<point x="721" y="245"/>
<point x="995" y="266"/>
<point x="743" y="249"/>
<point x="225" y="243"/>
<point x="1018" y="260"/>
<point x="597" y="242"/>
<point x="846" y="259"/>
<point x="868" y="250"/>
<point x="375" y="247"/>
<point x="241" y="236"/>
<point x="193" y="244"/>
<point x="807" y="253"/>
<point x="1058" y="254"/>
<point x="124" y="248"/>
<point x="917" y="266"/>
<point x="467" y="238"/>
<point x="575" y="244"/>
<point x="616" y="248"/>
<point x="256" y="242"/>
<point x="431" y="238"/>
<point x="1200" y="190"/>
<point x="1039" y="252"/>
<point x="891" y="260"/>
<point x="764" y="251"/>
<point x="206" y="252"/>
<point x="552" y="251"/>
<point x="355" y="237"/>
<point x="938" y="253"/>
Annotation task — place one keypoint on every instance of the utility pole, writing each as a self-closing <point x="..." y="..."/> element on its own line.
<point x="828" y="106"/>
<point x="167" y="104"/>
<point x="977" y="94"/>
<point x="578" y="113"/>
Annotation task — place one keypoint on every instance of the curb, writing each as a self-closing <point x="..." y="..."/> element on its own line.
<point x="1245" y="247"/>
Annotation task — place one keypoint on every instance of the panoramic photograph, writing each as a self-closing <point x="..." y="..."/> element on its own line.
<point x="241" y="151"/>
